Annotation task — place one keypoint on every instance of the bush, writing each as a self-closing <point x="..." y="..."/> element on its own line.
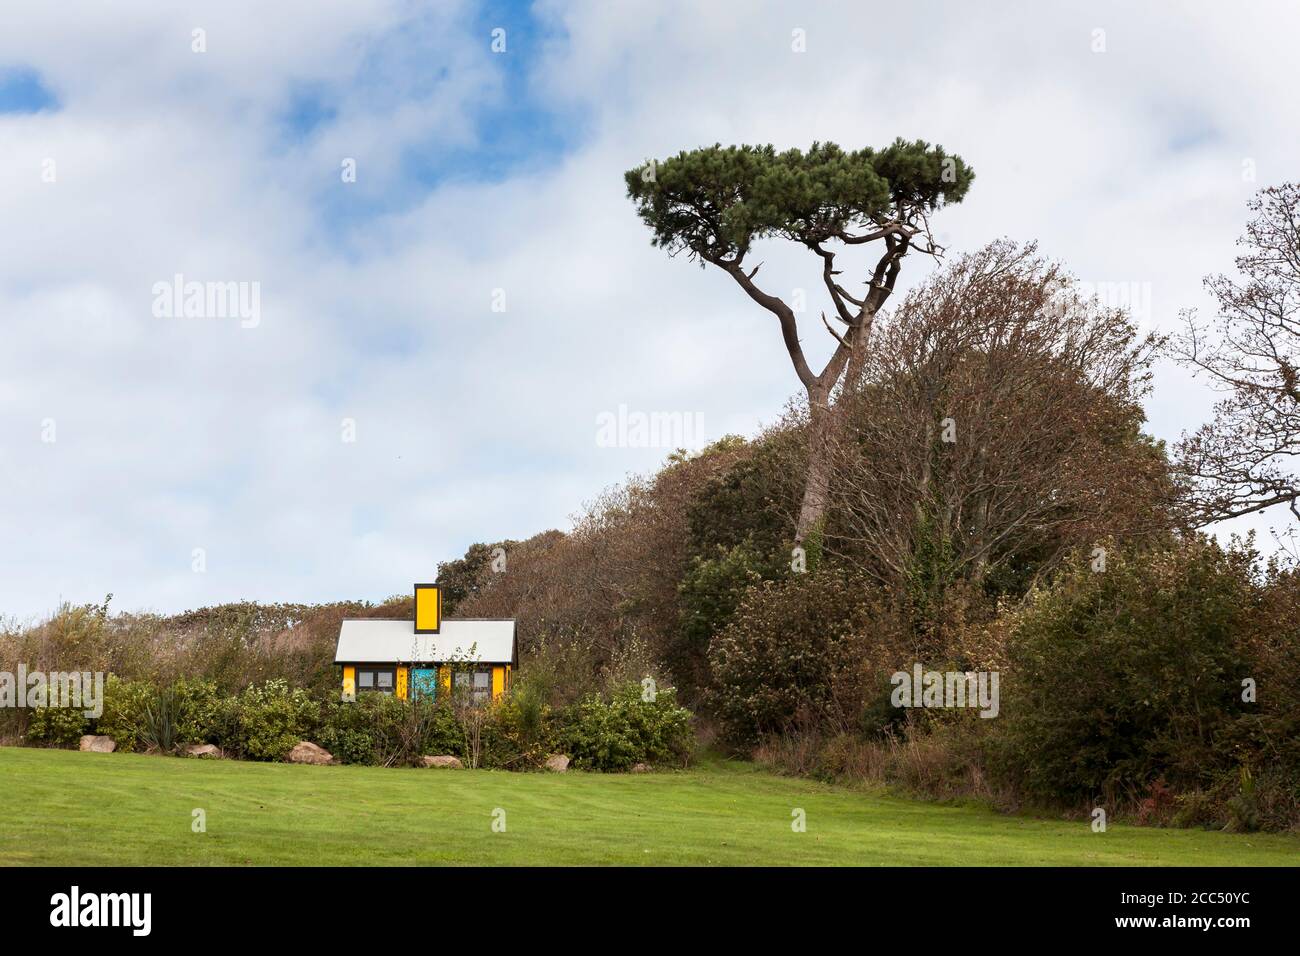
<point x="56" y="726"/>
<point x="1268" y="734"/>
<point x="709" y="593"/>
<point x="159" y="731"/>
<point x="381" y="730"/>
<point x="791" y="645"/>
<point x="142" y="715"/>
<point x="615" y="734"/>
<point x="349" y="730"/>
<point x="272" y="718"/>
<point x="200" y="711"/>
<point x="1122" y="677"/>
<point x="125" y="705"/>
<point x="522" y="732"/>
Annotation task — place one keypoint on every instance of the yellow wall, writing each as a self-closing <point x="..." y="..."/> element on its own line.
<point x="500" y="680"/>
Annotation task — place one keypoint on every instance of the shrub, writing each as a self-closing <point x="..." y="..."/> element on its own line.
<point x="123" y="719"/>
<point x="615" y="734"/>
<point x="792" y="644"/>
<point x="1243" y="808"/>
<point x="709" y="593"/>
<point x="522" y="731"/>
<point x="56" y="726"/>
<point x="272" y="718"/>
<point x="1267" y="735"/>
<point x="348" y="730"/>
<point x="200" y="711"/>
<point x="385" y="731"/>
<point x="1118" y="678"/>
<point x="142" y="715"/>
<point x="933" y="759"/>
<point x="430" y="728"/>
<point x="159" y="724"/>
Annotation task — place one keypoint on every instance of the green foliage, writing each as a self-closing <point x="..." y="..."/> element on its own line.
<point x="201" y="714"/>
<point x="1121" y="677"/>
<point x="751" y="502"/>
<point x="716" y="201"/>
<point x="1243" y="809"/>
<point x="814" y="546"/>
<point x="272" y="718"/>
<point x="791" y="646"/>
<point x="737" y="537"/>
<point x="56" y="726"/>
<point x="614" y="734"/>
<point x="349" y="730"/>
<point x="523" y="729"/>
<point x="516" y="732"/>
<point x="933" y="564"/>
<point x="141" y="715"/>
<point x="123" y="719"/>
<point x="382" y="730"/>
<point x="159" y="723"/>
<point x="710" y="592"/>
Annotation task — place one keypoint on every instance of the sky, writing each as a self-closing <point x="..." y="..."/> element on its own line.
<point x="440" y="296"/>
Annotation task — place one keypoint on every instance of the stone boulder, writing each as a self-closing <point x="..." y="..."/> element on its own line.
<point x="202" y="750"/>
<point x="557" y="763"/>
<point x="97" y="744"/>
<point x="308" y="752"/>
<point x="443" y="760"/>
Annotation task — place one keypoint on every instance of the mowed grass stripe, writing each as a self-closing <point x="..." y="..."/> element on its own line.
<point x="66" y="808"/>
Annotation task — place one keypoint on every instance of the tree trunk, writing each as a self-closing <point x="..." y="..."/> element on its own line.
<point x="816" y="488"/>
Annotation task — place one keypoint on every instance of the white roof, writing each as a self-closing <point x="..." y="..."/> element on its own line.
<point x="377" y="641"/>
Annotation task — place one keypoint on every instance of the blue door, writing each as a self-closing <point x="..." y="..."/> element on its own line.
<point x="424" y="681"/>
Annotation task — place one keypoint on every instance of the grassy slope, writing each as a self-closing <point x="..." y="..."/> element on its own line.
<point x="61" y="807"/>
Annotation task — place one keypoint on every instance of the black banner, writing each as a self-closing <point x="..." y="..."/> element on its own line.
<point x="941" y="905"/>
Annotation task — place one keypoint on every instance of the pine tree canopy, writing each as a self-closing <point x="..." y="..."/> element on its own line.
<point x="714" y="202"/>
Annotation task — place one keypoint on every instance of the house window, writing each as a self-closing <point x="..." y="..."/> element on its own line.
<point x="478" y="683"/>
<point x="382" y="680"/>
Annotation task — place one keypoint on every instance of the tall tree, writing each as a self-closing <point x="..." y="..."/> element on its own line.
<point x="462" y="578"/>
<point x="715" y="203"/>
<point x="1244" y="460"/>
<point x="996" y="428"/>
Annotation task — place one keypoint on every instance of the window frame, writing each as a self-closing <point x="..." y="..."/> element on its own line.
<point x="477" y="695"/>
<point x="376" y="669"/>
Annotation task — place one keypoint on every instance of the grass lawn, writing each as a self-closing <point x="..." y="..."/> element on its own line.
<point x="68" y="808"/>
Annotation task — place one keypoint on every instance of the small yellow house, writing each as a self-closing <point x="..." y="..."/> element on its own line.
<point x="393" y="657"/>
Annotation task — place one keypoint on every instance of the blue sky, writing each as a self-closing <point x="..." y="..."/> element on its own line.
<point x="21" y="91"/>
<point x="483" y="292"/>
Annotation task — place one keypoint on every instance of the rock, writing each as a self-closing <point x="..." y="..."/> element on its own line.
<point x="557" y="763"/>
<point x="308" y="752"/>
<point x="444" y="760"/>
<point x="97" y="744"/>
<point x="202" y="750"/>
<point x="640" y="768"/>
